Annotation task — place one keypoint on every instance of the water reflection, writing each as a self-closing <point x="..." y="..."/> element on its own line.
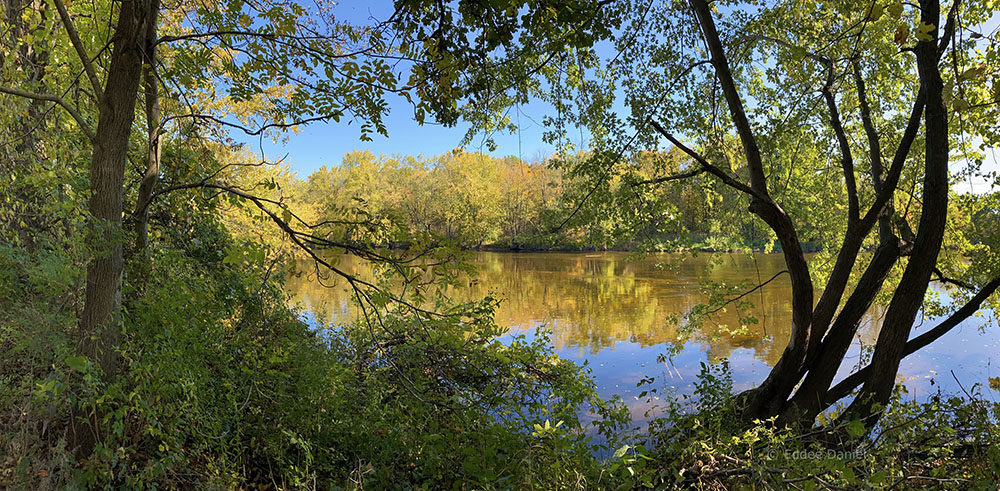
<point x="612" y="311"/>
<point x="596" y="301"/>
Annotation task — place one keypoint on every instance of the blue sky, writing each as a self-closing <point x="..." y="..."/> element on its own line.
<point x="322" y="144"/>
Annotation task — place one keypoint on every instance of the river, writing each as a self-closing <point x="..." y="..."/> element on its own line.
<point x="611" y="310"/>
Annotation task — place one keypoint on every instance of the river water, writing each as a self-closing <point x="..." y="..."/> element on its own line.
<point x="614" y="312"/>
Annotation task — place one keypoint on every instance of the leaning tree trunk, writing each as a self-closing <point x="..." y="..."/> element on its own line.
<point x="909" y="295"/>
<point x="152" y="105"/>
<point x="769" y="397"/>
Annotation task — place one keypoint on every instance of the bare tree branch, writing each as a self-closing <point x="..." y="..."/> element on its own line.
<point x="944" y="279"/>
<point x="834" y="290"/>
<point x="249" y="131"/>
<point x="846" y="160"/>
<point x="674" y="177"/>
<point x="908" y="297"/>
<point x="758" y="287"/>
<point x="949" y="27"/>
<point x="300" y="239"/>
<point x="210" y="34"/>
<point x="884" y="195"/>
<point x="782" y="379"/>
<point x="706" y="165"/>
<point x="719" y="61"/>
<point x="874" y="149"/>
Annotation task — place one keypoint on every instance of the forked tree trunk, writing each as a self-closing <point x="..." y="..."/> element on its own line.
<point x="820" y="338"/>
<point x="813" y="395"/>
<point x="909" y="295"/>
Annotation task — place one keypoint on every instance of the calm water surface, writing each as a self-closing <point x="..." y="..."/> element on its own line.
<point x="613" y="312"/>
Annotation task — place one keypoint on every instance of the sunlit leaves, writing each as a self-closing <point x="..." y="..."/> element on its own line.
<point x="474" y="59"/>
<point x="923" y="32"/>
<point x="247" y="49"/>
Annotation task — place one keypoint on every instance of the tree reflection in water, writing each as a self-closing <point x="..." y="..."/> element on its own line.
<point x="614" y="312"/>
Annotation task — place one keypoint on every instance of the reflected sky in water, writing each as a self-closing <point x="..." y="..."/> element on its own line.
<point x="612" y="312"/>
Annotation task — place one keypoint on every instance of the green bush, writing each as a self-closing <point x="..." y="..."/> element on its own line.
<point x="946" y="442"/>
<point x="221" y="385"/>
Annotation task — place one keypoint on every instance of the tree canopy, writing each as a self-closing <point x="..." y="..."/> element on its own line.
<point x="847" y="119"/>
<point x="146" y="339"/>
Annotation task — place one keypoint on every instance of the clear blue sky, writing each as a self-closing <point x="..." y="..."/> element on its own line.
<point x="322" y="144"/>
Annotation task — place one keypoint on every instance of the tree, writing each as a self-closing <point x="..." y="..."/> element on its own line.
<point x="758" y="98"/>
<point x="256" y="67"/>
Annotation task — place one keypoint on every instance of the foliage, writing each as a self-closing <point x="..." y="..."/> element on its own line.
<point x="474" y="200"/>
<point x="843" y="125"/>
<point x="946" y="442"/>
<point x="226" y="387"/>
<point x="207" y="379"/>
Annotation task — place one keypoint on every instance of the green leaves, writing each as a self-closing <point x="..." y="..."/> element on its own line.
<point x="895" y="9"/>
<point x="546" y="430"/>
<point x="478" y="59"/>
<point x="973" y="74"/>
<point x="78" y="363"/>
<point x="246" y="253"/>
<point x="875" y="12"/>
<point x="923" y="31"/>
<point x="855" y="428"/>
<point x="621" y="451"/>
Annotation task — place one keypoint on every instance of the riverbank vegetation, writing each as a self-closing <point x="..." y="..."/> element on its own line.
<point x="145" y="339"/>
<point x="474" y="200"/>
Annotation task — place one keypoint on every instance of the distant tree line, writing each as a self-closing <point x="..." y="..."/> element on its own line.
<point x="475" y="200"/>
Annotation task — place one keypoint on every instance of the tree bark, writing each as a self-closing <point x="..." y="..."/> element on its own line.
<point x="100" y="330"/>
<point x="909" y="295"/>
<point x="844" y="388"/>
<point x="808" y="399"/>
<point x="826" y="357"/>
<point x="152" y="106"/>
<point x="874" y="150"/>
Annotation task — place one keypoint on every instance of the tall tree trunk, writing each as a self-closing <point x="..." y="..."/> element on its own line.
<point x="844" y="387"/>
<point x="102" y="310"/>
<point x="100" y="329"/>
<point x="811" y="397"/>
<point x="152" y="105"/>
<point x="909" y="295"/>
